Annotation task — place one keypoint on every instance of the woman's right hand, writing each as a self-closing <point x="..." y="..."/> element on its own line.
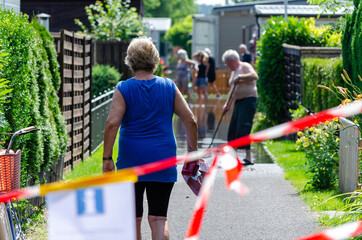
<point x="226" y="108"/>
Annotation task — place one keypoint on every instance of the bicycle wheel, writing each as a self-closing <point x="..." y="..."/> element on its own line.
<point x="15" y="222"/>
<point x="5" y="228"/>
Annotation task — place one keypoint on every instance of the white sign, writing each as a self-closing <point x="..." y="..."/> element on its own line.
<point x="100" y="212"/>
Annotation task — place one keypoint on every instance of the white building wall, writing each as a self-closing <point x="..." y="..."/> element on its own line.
<point x="235" y="27"/>
<point x="204" y="34"/>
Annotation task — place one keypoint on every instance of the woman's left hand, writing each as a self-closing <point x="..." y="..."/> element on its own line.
<point x="108" y="166"/>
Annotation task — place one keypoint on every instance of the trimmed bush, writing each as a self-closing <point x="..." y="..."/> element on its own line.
<point x="104" y="77"/>
<point x="4" y="93"/>
<point x="34" y="99"/>
<point x="326" y="72"/>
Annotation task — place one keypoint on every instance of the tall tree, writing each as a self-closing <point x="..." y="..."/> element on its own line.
<point x="175" y="9"/>
<point x="333" y="5"/>
<point x="179" y="34"/>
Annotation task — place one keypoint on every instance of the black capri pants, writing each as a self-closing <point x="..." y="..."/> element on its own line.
<point x="158" y="196"/>
<point x="242" y="119"/>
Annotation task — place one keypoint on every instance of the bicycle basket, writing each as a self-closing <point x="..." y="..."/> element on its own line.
<point x="10" y="171"/>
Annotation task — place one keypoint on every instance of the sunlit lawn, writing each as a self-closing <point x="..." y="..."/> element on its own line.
<point x="92" y="165"/>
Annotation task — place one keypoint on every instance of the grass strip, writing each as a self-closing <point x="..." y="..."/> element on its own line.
<point x="92" y="165"/>
<point x="294" y="164"/>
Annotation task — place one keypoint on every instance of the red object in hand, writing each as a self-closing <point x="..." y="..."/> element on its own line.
<point x="190" y="168"/>
<point x="192" y="182"/>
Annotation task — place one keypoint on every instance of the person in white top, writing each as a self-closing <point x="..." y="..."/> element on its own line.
<point x="243" y="80"/>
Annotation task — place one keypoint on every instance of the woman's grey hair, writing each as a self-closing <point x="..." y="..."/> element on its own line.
<point x="142" y="55"/>
<point x="182" y="53"/>
<point x="230" y="54"/>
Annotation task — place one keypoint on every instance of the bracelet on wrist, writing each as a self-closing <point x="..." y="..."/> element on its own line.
<point x="107" y="158"/>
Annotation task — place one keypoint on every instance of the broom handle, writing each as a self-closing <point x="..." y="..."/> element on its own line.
<point x="223" y="113"/>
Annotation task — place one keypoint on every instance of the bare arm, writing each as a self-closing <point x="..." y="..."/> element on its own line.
<point x="188" y="119"/>
<point x="249" y="75"/>
<point x="115" y="116"/>
<point x="207" y="68"/>
<point x="190" y="62"/>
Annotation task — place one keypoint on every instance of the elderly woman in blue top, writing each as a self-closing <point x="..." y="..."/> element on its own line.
<point x="143" y="107"/>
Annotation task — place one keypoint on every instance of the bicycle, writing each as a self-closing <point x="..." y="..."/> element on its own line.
<point x="10" y="163"/>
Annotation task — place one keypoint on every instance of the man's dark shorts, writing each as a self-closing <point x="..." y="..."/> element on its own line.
<point x="242" y="119"/>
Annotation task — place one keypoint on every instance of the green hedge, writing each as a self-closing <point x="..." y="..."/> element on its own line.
<point x="352" y="45"/>
<point x="4" y="93"/>
<point x="317" y="71"/>
<point x="104" y="77"/>
<point x="270" y="63"/>
<point x="33" y="101"/>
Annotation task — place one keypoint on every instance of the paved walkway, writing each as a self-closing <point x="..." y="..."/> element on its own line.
<point x="272" y="209"/>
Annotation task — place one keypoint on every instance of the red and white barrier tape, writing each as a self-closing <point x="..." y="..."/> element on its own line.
<point x="194" y="228"/>
<point x="232" y="168"/>
<point x="340" y="232"/>
<point x="232" y="172"/>
<point x="300" y="124"/>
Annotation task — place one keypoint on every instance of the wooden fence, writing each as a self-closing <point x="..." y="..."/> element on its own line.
<point x="112" y="53"/>
<point x="221" y="82"/>
<point x="293" y="71"/>
<point x="348" y="156"/>
<point x="75" y="60"/>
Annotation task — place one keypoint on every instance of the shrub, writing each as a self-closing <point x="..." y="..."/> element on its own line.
<point x="34" y="99"/>
<point x="352" y="44"/>
<point x="112" y="20"/>
<point x="326" y="72"/>
<point x="104" y="77"/>
<point x="321" y="145"/>
<point x="298" y="113"/>
<point x="270" y="64"/>
<point x="260" y="122"/>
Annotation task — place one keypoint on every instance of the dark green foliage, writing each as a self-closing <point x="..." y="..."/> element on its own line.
<point x="175" y="9"/>
<point x="55" y="136"/>
<point x="34" y="100"/>
<point x="270" y="64"/>
<point x="324" y="72"/>
<point x="356" y="3"/>
<point x="179" y="34"/>
<point x="104" y="77"/>
<point x="48" y="43"/>
<point x="352" y="45"/>
<point x="346" y="43"/>
<point x="23" y="108"/>
<point x="4" y="94"/>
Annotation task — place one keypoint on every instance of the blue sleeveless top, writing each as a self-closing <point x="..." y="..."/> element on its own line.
<point x="146" y="133"/>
